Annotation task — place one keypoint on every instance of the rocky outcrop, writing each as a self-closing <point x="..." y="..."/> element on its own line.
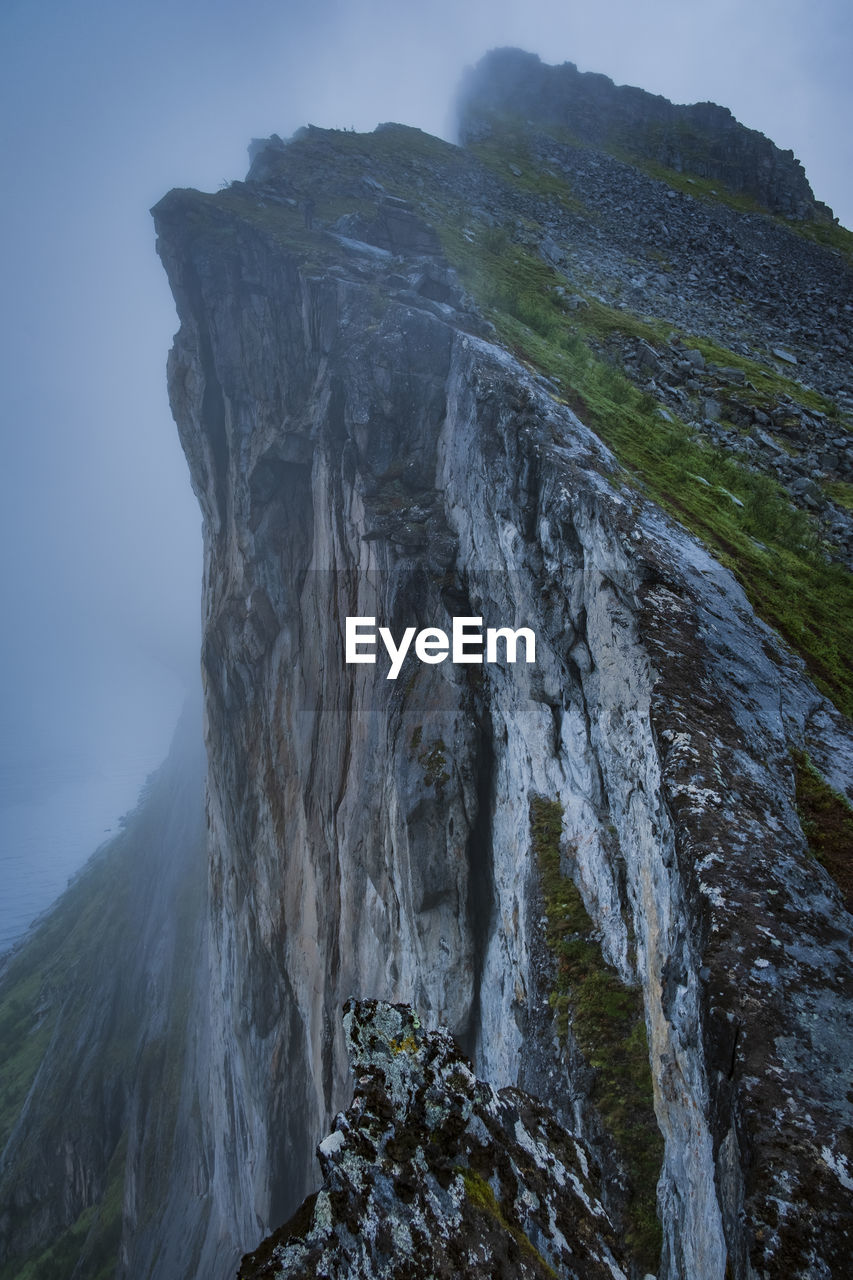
<point x="432" y="1173"/>
<point x="360" y="448"/>
<point x="703" y="138"/>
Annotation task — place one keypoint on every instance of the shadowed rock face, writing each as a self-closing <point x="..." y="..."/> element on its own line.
<point x="431" y="1173"/>
<point x="361" y="448"/>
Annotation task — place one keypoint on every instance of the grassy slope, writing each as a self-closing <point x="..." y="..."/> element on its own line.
<point x="44" y="991"/>
<point x="745" y="519"/>
<point x="773" y="550"/>
<point x="827" y="821"/>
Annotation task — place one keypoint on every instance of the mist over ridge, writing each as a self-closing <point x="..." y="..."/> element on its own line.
<point x="588" y="372"/>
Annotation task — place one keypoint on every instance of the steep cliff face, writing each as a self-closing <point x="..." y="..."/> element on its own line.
<point x="523" y="853"/>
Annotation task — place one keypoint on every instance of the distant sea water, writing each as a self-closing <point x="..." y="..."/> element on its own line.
<point x="55" y="812"/>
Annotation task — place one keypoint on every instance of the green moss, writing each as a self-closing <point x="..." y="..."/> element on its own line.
<point x="841" y="492"/>
<point x="827" y="822"/>
<point x="773" y="550"/>
<point x="483" y="1198"/>
<point x="608" y="1023"/>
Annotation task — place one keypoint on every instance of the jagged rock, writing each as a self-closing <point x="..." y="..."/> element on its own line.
<point x="727" y="374"/>
<point x="430" y="1173"/>
<point x="362" y="444"/>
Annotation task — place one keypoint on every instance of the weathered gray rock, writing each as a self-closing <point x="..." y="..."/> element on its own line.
<point x="362" y="445"/>
<point x="372" y="837"/>
<point x="431" y="1173"/>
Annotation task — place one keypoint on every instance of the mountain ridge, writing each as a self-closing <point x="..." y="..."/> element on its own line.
<point x="372" y="401"/>
<point x="530" y="381"/>
<point x="701" y="138"/>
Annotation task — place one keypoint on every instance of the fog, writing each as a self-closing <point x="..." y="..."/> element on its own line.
<point x="105" y="106"/>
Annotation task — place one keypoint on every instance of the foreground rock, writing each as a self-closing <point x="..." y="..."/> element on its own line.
<point x="431" y="1173"/>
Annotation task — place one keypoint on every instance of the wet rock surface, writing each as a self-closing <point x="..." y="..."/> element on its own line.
<point x="431" y="1173"/>
<point x="361" y="447"/>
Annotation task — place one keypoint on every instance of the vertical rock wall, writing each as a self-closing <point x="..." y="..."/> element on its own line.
<point x="359" y="450"/>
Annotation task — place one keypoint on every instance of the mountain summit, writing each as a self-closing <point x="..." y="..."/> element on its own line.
<point x="702" y="139"/>
<point x="548" y="961"/>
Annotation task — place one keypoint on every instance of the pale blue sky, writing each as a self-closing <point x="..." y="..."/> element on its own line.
<point x="103" y="107"/>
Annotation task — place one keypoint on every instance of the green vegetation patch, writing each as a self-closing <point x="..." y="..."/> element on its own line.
<point x="52" y="976"/>
<point x="482" y="1197"/>
<point x="25" y="1034"/>
<point x="711" y="190"/>
<point x="73" y="983"/>
<point x="841" y="492"/>
<point x="507" y="154"/>
<point x="608" y="1023"/>
<point x="827" y="822"/>
<point x="830" y="235"/>
<point x="765" y="385"/>
<point x="745" y="518"/>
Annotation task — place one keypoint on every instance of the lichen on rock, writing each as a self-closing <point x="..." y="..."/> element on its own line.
<point x="431" y="1173"/>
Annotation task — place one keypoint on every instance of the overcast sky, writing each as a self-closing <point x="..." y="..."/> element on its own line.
<point x="106" y="105"/>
